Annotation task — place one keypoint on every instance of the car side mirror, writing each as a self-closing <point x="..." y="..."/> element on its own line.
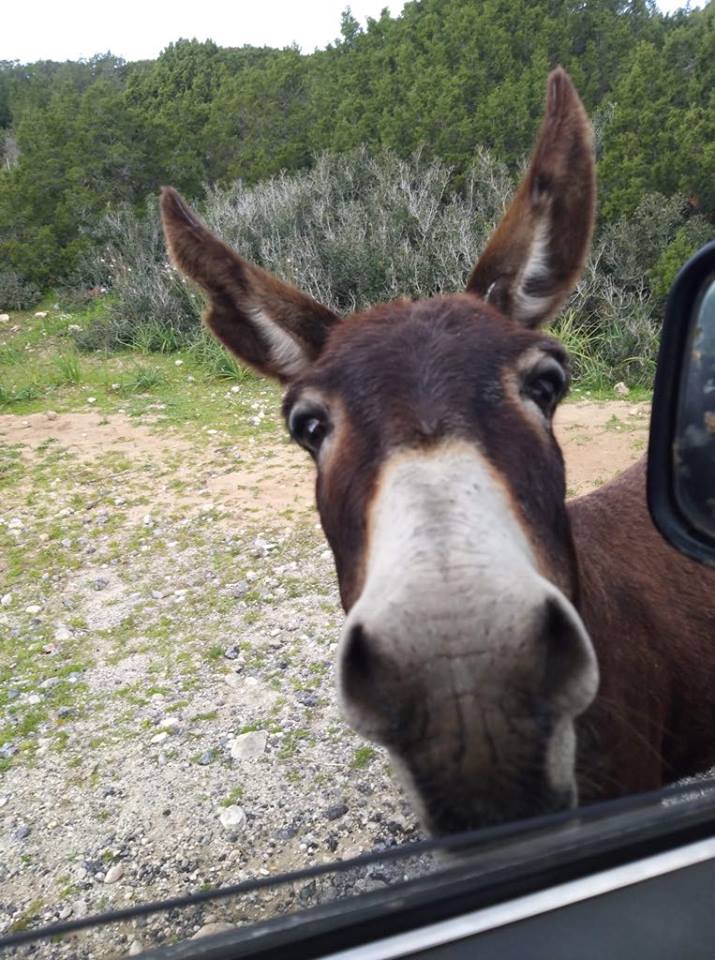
<point x="681" y="451"/>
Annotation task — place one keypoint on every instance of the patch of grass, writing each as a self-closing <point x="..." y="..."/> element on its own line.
<point x="68" y="369"/>
<point x="234" y="796"/>
<point x="142" y="379"/>
<point x="209" y="715"/>
<point x="363" y="757"/>
<point x="585" y="348"/>
<point x="10" y="353"/>
<point x="291" y="742"/>
<point x="26" y="918"/>
<point x="215" y="360"/>
<point x="16" y="396"/>
<point x="11" y="467"/>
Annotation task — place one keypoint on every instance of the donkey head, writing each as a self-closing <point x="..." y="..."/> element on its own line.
<point x="441" y="490"/>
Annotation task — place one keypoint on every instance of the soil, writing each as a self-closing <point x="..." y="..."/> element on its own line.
<point x="599" y="440"/>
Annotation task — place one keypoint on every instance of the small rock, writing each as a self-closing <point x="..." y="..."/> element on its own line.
<point x="287" y="833"/>
<point x="115" y="872"/>
<point x="100" y="583"/>
<point x="369" y="885"/>
<point x="3" y="801"/>
<point x="80" y="908"/>
<point x="4" y="317"/>
<point x="6" y="600"/>
<point x="621" y="390"/>
<point x="159" y="737"/>
<point x="307" y="698"/>
<point x="209" y="929"/>
<point x="41" y="314"/>
<point x="22" y="833"/>
<point x="51" y="415"/>
<point x="336" y="811"/>
<point x="307" y="893"/>
<point x="232" y="652"/>
<point x="239" y="589"/>
<point x="135" y="948"/>
<point x="170" y="723"/>
<point x="33" y="608"/>
<point x="205" y="759"/>
<point x="62" y="634"/>
<point x="233" y="818"/>
<point x="66" y="912"/>
<point x="248" y="746"/>
<point x="91" y="399"/>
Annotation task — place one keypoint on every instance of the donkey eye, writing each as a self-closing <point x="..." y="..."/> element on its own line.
<point x="309" y="428"/>
<point x="545" y="387"/>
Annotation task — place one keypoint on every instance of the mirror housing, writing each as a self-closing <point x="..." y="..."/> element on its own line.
<point x="681" y="450"/>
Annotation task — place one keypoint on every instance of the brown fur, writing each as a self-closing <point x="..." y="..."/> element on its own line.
<point x="236" y="287"/>
<point x="651" y="615"/>
<point x="558" y="192"/>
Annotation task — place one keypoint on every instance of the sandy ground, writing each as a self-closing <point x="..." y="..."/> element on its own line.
<point x="599" y="440"/>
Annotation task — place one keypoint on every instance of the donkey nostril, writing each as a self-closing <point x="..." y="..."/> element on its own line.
<point x="381" y="700"/>
<point x="357" y="665"/>
<point x="571" y="674"/>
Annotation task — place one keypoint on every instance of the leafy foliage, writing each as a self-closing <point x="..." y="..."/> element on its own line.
<point x="16" y="293"/>
<point x="447" y="77"/>
<point x="358" y="228"/>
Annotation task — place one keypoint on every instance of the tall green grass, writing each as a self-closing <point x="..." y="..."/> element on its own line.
<point x="67" y="368"/>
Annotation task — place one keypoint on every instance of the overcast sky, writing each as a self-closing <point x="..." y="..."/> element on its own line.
<point x="140" y="29"/>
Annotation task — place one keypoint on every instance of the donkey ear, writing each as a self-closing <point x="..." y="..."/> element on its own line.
<point x="535" y="256"/>
<point x="267" y="323"/>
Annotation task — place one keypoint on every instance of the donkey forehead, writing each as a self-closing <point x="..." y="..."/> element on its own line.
<point x="430" y="359"/>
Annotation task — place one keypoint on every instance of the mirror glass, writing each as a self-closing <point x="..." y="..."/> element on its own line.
<point x="694" y="440"/>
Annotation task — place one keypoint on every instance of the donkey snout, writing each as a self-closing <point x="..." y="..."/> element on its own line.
<point x="402" y="681"/>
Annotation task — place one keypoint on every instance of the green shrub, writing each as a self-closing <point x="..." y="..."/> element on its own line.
<point x="353" y="230"/>
<point x="16" y="293"/>
<point x="360" y="228"/>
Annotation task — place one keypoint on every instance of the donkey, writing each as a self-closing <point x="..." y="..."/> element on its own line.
<point x="515" y="654"/>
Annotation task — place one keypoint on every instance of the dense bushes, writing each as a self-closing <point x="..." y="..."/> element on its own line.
<point x="359" y="228"/>
<point x="446" y="76"/>
<point x="16" y="293"/>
